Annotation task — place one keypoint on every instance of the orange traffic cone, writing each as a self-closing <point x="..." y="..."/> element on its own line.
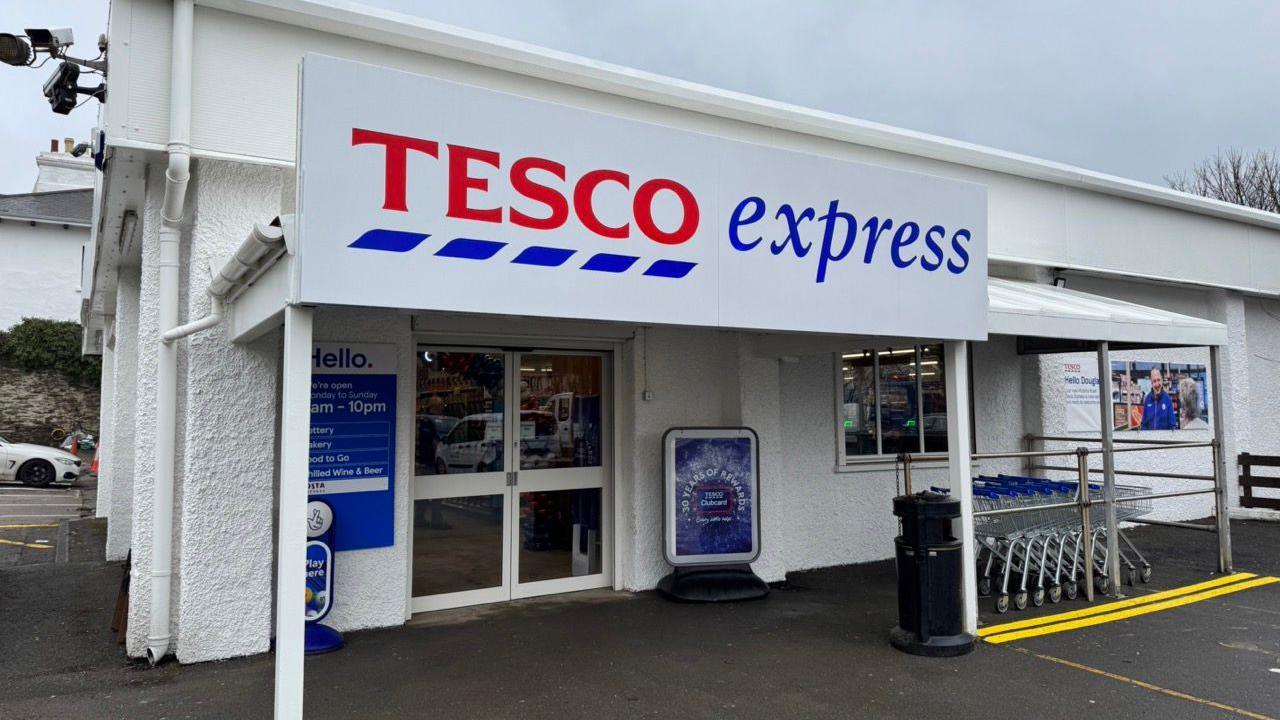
<point x="75" y="445"/>
<point x="93" y="466"/>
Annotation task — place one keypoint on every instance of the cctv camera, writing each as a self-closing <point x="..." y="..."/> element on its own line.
<point x="14" y="50"/>
<point x="60" y="89"/>
<point x="51" y="40"/>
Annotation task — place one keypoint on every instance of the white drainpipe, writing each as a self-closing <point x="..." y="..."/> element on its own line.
<point x="175" y="193"/>
<point x="238" y="270"/>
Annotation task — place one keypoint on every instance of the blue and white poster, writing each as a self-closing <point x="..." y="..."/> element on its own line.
<point x="712" y="480"/>
<point x="319" y="580"/>
<point x="353" y="432"/>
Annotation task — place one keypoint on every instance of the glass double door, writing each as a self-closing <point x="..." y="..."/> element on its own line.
<point x="512" y="461"/>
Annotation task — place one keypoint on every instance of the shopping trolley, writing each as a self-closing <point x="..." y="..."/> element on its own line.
<point x="1037" y="554"/>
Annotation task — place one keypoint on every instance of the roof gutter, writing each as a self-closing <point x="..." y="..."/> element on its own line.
<point x="45" y="221"/>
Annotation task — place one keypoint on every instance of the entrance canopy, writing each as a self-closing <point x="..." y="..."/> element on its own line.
<point x="1054" y="319"/>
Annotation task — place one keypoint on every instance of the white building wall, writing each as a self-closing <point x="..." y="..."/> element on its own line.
<point x="684" y="370"/>
<point x="63" y="171"/>
<point x="105" y="411"/>
<point x="120" y="440"/>
<point x="1229" y="309"/>
<point x="41" y="271"/>
<point x="144" y="461"/>
<point x="828" y="517"/>
<point x="1262" y="349"/>
<point x="813" y="514"/>
<point x="227" y="468"/>
<point x="1258" y="404"/>
<point x="999" y="397"/>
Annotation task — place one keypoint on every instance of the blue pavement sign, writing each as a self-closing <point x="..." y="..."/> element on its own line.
<point x="353" y="432"/>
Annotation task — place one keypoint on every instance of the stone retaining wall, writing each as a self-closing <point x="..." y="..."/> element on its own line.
<point x="33" y="403"/>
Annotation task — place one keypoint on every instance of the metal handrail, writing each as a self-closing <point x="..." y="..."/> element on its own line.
<point x="1165" y="446"/>
<point x="1029" y="508"/>
<point x="1026" y="453"/>
<point x="1060" y="438"/>
<point x="1132" y="473"/>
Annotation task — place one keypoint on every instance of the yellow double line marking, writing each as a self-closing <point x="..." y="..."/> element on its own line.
<point x="1124" y="609"/>
<point x="26" y="545"/>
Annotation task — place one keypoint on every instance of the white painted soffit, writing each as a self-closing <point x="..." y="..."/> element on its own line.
<point x="1023" y="308"/>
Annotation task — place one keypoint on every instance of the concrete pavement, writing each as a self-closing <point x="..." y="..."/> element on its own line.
<point x="816" y="648"/>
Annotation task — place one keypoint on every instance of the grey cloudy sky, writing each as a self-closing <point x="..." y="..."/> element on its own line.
<point x="1137" y="89"/>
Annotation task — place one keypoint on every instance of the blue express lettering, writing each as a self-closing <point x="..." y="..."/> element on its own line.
<point x="836" y="235"/>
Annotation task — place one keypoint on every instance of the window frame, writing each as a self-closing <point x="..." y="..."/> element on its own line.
<point x="880" y="458"/>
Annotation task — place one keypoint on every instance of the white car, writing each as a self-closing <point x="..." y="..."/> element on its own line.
<point x="37" y="465"/>
<point x="475" y="443"/>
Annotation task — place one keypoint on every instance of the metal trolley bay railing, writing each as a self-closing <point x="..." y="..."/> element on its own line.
<point x="1039" y="539"/>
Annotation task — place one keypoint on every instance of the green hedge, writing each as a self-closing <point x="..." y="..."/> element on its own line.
<point x="37" y="344"/>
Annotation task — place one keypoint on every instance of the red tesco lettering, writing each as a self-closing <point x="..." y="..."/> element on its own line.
<point x="536" y="179"/>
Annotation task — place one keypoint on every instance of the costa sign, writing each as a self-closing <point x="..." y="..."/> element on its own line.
<point x="416" y="192"/>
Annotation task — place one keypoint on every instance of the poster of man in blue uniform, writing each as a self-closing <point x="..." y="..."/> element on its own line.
<point x="1159" y="396"/>
<point x="1158" y="412"/>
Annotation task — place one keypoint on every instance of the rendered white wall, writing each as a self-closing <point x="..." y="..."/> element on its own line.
<point x="41" y="271"/>
<point x="1262" y="318"/>
<point x="813" y="515"/>
<point x="1258" y="411"/>
<point x="145" y="423"/>
<point x="227" y="467"/>
<point x="106" y="410"/>
<point x="122" y="437"/>
<point x="63" y="171"/>
<point x="684" y="370"/>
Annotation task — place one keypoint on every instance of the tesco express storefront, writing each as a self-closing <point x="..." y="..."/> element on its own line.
<point x="462" y="305"/>
<point x="573" y="284"/>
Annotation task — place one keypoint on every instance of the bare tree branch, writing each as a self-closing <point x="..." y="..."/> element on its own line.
<point x="1232" y="176"/>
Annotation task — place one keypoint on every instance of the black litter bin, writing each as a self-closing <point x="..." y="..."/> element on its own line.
<point x="930" y="592"/>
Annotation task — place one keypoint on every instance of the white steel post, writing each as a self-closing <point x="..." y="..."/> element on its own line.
<point x="1109" y="467"/>
<point x="291" y="551"/>
<point x="1220" y="477"/>
<point x="959" y="463"/>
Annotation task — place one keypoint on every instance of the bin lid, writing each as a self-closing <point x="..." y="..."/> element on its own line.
<point x="926" y="504"/>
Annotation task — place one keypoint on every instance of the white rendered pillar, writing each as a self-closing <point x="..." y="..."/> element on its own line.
<point x="960" y="466"/>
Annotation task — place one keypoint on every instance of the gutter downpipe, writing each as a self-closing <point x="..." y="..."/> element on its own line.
<point x="238" y="270"/>
<point x="175" y="192"/>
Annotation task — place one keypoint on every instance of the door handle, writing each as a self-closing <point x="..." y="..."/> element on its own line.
<point x="512" y="478"/>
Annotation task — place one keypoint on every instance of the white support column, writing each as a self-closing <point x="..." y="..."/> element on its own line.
<point x="106" y="409"/>
<point x="960" y="463"/>
<point x="1221" y="478"/>
<point x="291" y="552"/>
<point x="1109" y="467"/>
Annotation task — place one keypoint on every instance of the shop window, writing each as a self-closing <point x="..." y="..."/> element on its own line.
<point x="894" y="401"/>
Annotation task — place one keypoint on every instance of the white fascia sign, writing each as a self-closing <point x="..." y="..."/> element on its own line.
<point x="421" y="193"/>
